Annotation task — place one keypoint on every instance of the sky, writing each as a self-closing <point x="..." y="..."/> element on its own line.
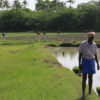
<point x="31" y="3"/>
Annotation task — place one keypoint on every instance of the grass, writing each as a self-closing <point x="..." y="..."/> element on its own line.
<point x="13" y="34"/>
<point x="30" y="72"/>
<point x="68" y="37"/>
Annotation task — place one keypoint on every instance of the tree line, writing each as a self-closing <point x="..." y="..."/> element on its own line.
<point x="40" y="5"/>
<point x="50" y="16"/>
<point x="5" y="4"/>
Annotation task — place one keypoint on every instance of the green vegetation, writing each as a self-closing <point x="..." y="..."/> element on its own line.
<point x="14" y="34"/>
<point x="48" y="4"/>
<point x="30" y="72"/>
<point x="98" y="90"/>
<point x="76" y="69"/>
<point x="27" y="69"/>
<point x="56" y="17"/>
<point x="66" y="39"/>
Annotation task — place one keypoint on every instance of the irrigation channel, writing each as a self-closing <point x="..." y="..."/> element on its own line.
<point x="68" y="57"/>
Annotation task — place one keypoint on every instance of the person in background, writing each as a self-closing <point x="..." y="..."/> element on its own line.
<point x="87" y="57"/>
<point x="3" y="35"/>
<point x="44" y="33"/>
<point x="38" y="33"/>
<point x="59" y="35"/>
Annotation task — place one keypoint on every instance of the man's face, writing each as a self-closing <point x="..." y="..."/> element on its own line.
<point x="90" y="39"/>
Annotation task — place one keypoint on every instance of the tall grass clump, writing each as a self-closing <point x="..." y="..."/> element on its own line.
<point x="98" y="90"/>
<point x="76" y="69"/>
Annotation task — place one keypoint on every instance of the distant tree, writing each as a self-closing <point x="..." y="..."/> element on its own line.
<point x="71" y="2"/>
<point x="39" y="0"/>
<point x="25" y="3"/>
<point x="6" y="4"/>
<point x="57" y="3"/>
<point x="1" y="3"/>
<point x="54" y="2"/>
<point x="47" y="3"/>
<point x="41" y="5"/>
<point x="16" y="4"/>
<point x="98" y="3"/>
<point x="88" y="5"/>
<point x="90" y="14"/>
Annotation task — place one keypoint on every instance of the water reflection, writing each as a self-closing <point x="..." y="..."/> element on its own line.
<point x="68" y="57"/>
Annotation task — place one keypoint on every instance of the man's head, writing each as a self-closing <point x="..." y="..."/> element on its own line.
<point x="91" y="36"/>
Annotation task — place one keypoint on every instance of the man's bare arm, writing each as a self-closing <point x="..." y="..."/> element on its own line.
<point x="96" y="59"/>
<point x="80" y="57"/>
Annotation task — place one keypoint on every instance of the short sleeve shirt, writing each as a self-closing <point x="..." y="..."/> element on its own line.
<point x="88" y="51"/>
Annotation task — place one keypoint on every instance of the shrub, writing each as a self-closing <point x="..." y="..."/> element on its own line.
<point x="98" y="90"/>
<point x="76" y="69"/>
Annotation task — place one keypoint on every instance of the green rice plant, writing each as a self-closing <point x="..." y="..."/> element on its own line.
<point x="98" y="90"/>
<point x="30" y="72"/>
<point x="76" y="69"/>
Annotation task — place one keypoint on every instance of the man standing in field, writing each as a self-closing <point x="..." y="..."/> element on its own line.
<point x="87" y="57"/>
<point x="59" y="35"/>
<point x="44" y="33"/>
<point x="3" y="35"/>
<point x="38" y="33"/>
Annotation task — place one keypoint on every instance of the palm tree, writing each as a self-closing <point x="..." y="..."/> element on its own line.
<point x="24" y="3"/>
<point x="16" y="4"/>
<point x="1" y="3"/>
<point x="39" y="0"/>
<point x="6" y="4"/>
<point x="55" y="2"/>
<point x="71" y="2"/>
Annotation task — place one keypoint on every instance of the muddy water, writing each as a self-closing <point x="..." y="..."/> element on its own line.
<point x="68" y="57"/>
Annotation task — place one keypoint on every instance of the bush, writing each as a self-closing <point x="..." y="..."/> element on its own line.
<point x="76" y="69"/>
<point x="98" y="90"/>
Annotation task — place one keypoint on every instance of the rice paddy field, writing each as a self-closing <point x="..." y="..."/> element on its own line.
<point x="64" y="37"/>
<point x="28" y="71"/>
